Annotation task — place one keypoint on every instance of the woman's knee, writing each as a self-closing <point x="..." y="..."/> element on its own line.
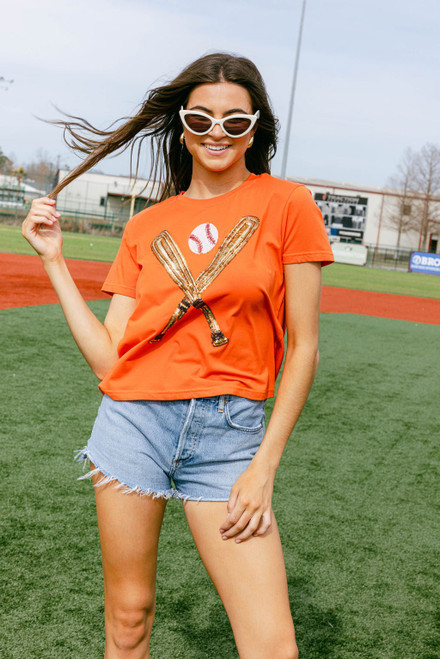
<point x="268" y="646"/>
<point x="292" y="651"/>
<point x="286" y="649"/>
<point x="130" y="626"/>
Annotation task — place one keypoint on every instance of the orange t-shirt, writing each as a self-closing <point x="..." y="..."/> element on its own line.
<point x="248" y="234"/>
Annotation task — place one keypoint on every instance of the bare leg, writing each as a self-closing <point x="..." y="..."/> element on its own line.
<point x="250" y="578"/>
<point x="129" y="527"/>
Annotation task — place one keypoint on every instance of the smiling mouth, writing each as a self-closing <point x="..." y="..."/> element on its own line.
<point x="216" y="147"/>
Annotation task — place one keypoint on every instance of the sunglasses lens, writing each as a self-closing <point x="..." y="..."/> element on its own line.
<point x="237" y="126"/>
<point x="198" y="123"/>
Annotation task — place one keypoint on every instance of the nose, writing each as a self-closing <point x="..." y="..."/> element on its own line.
<point x="217" y="132"/>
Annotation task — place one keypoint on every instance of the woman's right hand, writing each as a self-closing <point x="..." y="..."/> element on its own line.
<point x="42" y="230"/>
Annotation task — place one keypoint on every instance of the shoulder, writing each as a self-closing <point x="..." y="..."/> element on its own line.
<point x="280" y="188"/>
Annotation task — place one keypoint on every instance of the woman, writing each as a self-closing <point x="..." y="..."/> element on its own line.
<point x="203" y="287"/>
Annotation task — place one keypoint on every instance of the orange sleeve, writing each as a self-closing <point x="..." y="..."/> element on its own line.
<point x="305" y="237"/>
<point x="124" y="272"/>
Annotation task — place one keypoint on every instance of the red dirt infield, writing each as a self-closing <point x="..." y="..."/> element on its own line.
<point x="24" y="284"/>
<point x="383" y="305"/>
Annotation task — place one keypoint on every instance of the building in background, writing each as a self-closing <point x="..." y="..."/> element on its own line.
<point x="14" y="193"/>
<point x="361" y="214"/>
<point x="106" y="197"/>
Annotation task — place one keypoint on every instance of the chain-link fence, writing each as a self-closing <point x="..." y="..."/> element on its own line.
<point x="75" y="222"/>
<point x="392" y="258"/>
<point x="109" y="220"/>
<point x="93" y="203"/>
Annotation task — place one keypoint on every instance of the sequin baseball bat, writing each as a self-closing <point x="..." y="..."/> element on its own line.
<point x="169" y="254"/>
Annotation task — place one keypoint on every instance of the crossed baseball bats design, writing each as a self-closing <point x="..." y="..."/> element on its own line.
<point x="170" y="256"/>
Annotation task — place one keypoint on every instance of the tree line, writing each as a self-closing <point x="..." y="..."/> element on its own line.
<point x="417" y="202"/>
<point x="41" y="171"/>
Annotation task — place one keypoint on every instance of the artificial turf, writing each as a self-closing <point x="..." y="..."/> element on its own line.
<point x="355" y="499"/>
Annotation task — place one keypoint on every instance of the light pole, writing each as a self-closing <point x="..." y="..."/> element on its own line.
<point x="292" y="94"/>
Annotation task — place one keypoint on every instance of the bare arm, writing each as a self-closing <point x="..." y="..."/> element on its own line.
<point x="97" y="341"/>
<point x="249" y="506"/>
<point x="303" y="286"/>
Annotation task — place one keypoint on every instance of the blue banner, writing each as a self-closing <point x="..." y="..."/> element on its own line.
<point x="425" y="262"/>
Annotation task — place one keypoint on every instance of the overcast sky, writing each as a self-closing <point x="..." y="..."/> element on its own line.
<point x="368" y="83"/>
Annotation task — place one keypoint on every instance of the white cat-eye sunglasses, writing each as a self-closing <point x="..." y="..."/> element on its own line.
<point x="200" y="123"/>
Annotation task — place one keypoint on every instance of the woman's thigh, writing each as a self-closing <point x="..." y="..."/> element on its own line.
<point x="250" y="578"/>
<point x="129" y="527"/>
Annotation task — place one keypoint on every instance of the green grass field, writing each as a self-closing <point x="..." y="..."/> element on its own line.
<point x="104" y="248"/>
<point x="355" y="499"/>
<point x="75" y="245"/>
<point x="381" y="281"/>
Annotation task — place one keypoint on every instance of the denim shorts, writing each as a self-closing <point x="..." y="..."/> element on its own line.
<point x="191" y="449"/>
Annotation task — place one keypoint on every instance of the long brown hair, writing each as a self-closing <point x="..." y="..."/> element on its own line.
<point x="158" y="118"/>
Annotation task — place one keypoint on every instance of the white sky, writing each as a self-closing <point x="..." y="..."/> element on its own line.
<point x="368" y="84"/>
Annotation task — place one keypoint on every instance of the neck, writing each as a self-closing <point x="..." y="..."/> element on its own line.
<point x="206" y="184"/>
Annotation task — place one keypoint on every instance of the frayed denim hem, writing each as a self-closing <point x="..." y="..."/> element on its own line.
<point x="84" y="456"/>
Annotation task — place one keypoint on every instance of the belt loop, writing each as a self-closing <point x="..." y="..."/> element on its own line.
<point x="221" y="403"/>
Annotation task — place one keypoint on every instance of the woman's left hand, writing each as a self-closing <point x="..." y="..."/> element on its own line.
<point x="249" y="505"/>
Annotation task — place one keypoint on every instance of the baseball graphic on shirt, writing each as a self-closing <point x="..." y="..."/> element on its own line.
<point x="203" y="238"/>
